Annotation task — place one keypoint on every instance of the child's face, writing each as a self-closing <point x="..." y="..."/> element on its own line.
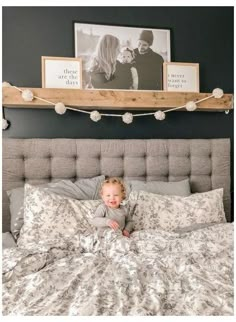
<point x="126" y="56"/>
<point x="112" y="195"/>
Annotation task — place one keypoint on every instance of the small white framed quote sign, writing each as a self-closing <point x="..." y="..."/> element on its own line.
<point x="181" y="77"/>
<point x="61" y="72"/>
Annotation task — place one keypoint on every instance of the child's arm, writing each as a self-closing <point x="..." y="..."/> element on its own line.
<point x="99" y="219"/>
<point x="129" y="225"/>
<point x="134" y="77"/>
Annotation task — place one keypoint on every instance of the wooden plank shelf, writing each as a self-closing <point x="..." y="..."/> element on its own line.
<point x="114" y="99"/>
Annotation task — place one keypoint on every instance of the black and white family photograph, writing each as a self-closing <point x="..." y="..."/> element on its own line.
<point x="117" y="57"/>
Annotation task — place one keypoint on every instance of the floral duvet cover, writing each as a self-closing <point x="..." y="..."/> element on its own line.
<point x="153" y="273"/>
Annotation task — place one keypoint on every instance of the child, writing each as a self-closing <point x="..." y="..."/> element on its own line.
<point x="127" y="57"/>
<point x="111" y="213"/>
<point x="105" y="70"/>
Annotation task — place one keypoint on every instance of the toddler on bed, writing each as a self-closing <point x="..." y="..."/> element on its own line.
<point x="111" y="214"/>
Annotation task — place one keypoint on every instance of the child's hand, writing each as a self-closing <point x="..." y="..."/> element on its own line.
<point x="126" y="233"/>
<point x="113" y="224"/>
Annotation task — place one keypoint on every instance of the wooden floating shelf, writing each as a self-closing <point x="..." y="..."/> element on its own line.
<point x="114" y="99"/>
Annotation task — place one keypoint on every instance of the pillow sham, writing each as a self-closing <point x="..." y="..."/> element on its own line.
<point x="82" y="189"/>
<point x="153" y="211"/>
<point x="177" y="188"/>
<point x="48" y="216"/>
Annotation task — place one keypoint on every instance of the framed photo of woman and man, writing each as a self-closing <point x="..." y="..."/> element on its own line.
<point x="118" y="57"/>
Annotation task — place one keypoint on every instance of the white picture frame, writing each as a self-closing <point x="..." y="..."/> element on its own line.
<point x="87" y="36"/>
<point x="61" y="72"/>
<point x="181" y="77"/>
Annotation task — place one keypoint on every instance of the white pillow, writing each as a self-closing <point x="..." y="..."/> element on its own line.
<point x="82" y="189"/>
<point x="171" y="212"/>
<point x="48" y="216"/>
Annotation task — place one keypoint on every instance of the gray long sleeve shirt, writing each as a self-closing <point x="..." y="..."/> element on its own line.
<point x="103" y="214"/>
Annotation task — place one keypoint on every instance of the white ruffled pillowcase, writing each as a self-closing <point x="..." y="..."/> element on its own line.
<point x="152" y="211"/>
<point x="49" y="217"/>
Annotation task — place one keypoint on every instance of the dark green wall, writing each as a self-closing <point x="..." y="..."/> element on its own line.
<point x="199" y="34"/>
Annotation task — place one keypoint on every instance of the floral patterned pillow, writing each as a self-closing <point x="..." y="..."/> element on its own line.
<point x="153" y="211"/>
<point x="48" y="216"/>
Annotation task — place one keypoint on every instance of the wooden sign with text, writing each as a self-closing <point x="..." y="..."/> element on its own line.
<point x="181" y="77"/>
<point x="61" y="72"/>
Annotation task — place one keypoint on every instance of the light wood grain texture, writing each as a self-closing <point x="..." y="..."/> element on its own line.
<point x="114" y="99"/>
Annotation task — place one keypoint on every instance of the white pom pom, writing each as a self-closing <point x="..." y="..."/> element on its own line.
<point x="5" y="124"/>
<point x="95" y="116"/>
<point x="159" y="115"/>
<point x="6" y="84"/>
<point x="127" y="118"/>
<point x="217" y="93"/>
<point x="60" y="108"/>
<point x="27" y="95"/>
<point x="191" y="106"/>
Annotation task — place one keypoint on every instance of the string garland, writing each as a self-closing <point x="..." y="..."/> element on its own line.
<point x="96" y="116"/>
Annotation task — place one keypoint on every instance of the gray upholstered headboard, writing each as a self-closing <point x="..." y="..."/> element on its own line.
<point x="206" y="162"/>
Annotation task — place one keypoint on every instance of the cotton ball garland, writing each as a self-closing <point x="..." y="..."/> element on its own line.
<point x="127" y="118"/>
<point x="60" y="108"/>
<point x="6" y="84"/>
<point x="27" y="95"/>
<point x="95" y="116"/>
<point x="191" y="106"/>
<point x="159" y="115"/>
<point x="5" y="124"/>
<point x="217" y="93"/>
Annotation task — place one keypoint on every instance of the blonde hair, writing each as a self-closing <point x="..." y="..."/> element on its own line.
<point x="106" y="55"/>
<point x="115" y="180"/>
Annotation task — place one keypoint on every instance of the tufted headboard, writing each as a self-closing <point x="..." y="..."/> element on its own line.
<point x="205" y="161"/>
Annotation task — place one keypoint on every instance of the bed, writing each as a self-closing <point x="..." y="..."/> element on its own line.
<point x="178" y="260"/>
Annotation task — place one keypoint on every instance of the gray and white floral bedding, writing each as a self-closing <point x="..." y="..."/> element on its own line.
<point x="155" y="272"/>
